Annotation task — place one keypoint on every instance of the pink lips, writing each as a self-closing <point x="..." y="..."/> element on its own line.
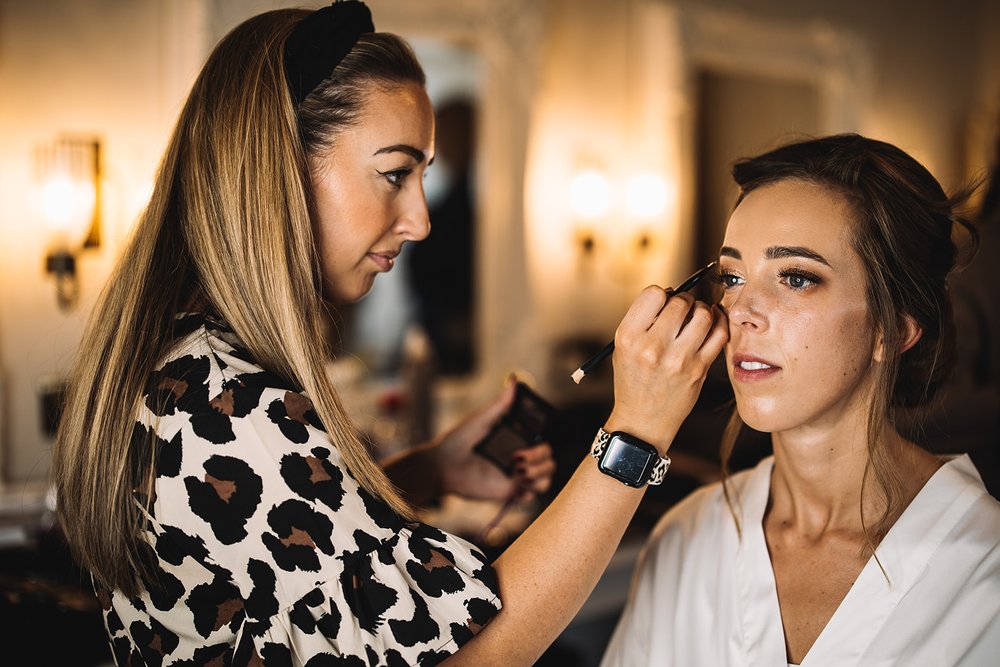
<point x="385" y="260"/>
<point x="748" y="368"/>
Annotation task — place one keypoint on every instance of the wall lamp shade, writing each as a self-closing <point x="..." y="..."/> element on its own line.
<point x="68" y="173"/>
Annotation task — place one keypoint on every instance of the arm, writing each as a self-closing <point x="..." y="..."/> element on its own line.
<point x="547" y="574"/>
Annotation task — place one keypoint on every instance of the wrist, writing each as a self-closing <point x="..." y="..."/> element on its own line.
<point x="659" y="438"/>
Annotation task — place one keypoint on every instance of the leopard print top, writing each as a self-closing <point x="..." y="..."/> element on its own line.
<point x="268" y="550"/>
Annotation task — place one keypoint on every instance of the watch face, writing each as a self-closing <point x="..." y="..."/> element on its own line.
<point x="627" y="462"/>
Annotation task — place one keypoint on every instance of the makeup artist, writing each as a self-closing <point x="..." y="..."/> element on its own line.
<point x="851" y="545"/>
<point x="207" y="473"/>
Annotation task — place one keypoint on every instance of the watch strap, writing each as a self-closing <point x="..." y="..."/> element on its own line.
<point x="656" y="475"/>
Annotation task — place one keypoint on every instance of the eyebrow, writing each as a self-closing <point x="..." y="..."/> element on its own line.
<point x="414" y="153"/>
<point x="778" y="252"/>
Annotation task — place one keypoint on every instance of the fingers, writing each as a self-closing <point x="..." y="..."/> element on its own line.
<point x="717" y="337"/>
<point x="643" y="312"/>
<point x="534" y="467"/>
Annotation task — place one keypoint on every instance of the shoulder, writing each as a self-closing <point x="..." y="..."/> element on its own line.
<point x="962" y="488"/>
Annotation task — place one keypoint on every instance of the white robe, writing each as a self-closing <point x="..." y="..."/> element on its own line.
<point x="702" y="596"/>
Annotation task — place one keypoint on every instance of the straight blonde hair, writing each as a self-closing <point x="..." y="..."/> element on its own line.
<point x="227" y="230"/>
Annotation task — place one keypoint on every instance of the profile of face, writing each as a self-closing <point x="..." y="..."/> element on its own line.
<point x="368" y="190"/>
<point x="801" y="344"/>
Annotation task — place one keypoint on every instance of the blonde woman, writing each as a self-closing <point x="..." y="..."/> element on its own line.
<point x="851" y="545"/>
<point x="207" y="474"/>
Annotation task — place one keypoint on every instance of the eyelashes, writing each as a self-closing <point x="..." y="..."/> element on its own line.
<point x="796" y="279"/>
<point x="396" y="176"/>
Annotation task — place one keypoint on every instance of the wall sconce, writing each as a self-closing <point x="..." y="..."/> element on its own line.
<point x="592" y="196"/>
<point x="68" y="173"/>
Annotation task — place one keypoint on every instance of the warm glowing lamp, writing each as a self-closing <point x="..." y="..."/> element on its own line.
<point x="68" y="172"/>
<point x="590" y="194"/>
<point x="646" y="195"/>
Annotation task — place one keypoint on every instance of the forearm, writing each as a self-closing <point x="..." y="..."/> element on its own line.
<point x="416" y="473"/>
<point x="547" y="574"/>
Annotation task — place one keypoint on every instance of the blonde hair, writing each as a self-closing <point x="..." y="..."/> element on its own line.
<point x="227" y="230"/>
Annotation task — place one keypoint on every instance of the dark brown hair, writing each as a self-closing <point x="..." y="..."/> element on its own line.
<point x="904" y="232"/>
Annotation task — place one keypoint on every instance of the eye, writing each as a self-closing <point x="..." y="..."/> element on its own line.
<point x="798" y="280"/>
<point x="396" y="176"/>
<point x="728" y="280"/>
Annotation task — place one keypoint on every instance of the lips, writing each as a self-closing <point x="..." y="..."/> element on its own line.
<point x="748" y="368"/>
<point x="384" y="260"/>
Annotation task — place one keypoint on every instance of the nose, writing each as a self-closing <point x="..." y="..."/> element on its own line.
<point x="413" y="221"/>
<point x="747" y="310"/>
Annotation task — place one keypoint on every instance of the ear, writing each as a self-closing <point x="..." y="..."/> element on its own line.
<point x="911" y="334"/>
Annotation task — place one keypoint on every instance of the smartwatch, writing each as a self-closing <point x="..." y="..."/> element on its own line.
<point x="628" y="459"/>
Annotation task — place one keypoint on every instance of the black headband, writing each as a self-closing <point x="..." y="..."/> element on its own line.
<point x="320" y="42"/>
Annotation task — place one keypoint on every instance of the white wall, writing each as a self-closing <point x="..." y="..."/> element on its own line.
<point x="101" y="67"/>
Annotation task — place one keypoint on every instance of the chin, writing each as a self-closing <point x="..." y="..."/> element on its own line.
<point x="764" y="415"/>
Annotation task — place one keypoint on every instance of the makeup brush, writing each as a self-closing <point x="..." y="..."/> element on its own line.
<point x="591" y="363"/>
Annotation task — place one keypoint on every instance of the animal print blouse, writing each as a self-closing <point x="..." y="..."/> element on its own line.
<point x="269" y="551"/>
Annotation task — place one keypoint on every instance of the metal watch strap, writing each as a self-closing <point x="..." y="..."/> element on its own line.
<point x="656" y="475"/>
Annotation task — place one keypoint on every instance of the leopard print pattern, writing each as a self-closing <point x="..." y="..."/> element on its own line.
<point x="267" y="551"/>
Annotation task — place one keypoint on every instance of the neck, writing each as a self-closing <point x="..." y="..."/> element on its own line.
<point x="818" y="476"/>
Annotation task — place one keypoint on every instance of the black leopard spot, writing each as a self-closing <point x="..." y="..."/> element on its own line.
<point x="460" y="633"/>
<point x="486" y="574"/>
<point x="367" y="598"/>
<point x="226" y="497"/>
<point x="182" y="384"/>
<point x="213" y="426"/>
<point x="240" y="395"/>
<point x="168" y="460"/>
<point x="167" y="454"/>
<point x="329" y="623"/>
<point x="164" y="589"/>
<point x="301" y="617"/>
<point x="262" y="603"/>
<point x="153" y="641"/>
<point x="121" y="649"/>
<point x="292" y="414"/>
<point x="431" y="658"/>
<point x="372" y="655"/>
<point x="480" y="611"/>
<point x="380" y="512"/>
<point x="420" y="628"/>
<point x="298" y="532"/>
<point x="214" y="605"/>
<point x="173" y="545"/>
<point x="434" y="570"/>
<point x="314" y="478"/>
<point x="217" y="655"/>
<point x="113" y="622"/>
<point x="276" y="655"/>
<point x="330" y="660"/>
<point x="393" y="658"/>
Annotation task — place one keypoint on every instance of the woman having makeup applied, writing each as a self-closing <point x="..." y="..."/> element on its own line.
<point x="207" y="474"/>
<point x="851" y="545"/>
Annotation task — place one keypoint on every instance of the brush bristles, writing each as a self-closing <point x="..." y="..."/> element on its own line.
<point x="578" y="375"/>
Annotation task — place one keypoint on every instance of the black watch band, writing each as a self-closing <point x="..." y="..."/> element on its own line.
<point x="628" y="459"/>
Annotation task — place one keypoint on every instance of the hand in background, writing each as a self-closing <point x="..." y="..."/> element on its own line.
<point x="467" y="474"/>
